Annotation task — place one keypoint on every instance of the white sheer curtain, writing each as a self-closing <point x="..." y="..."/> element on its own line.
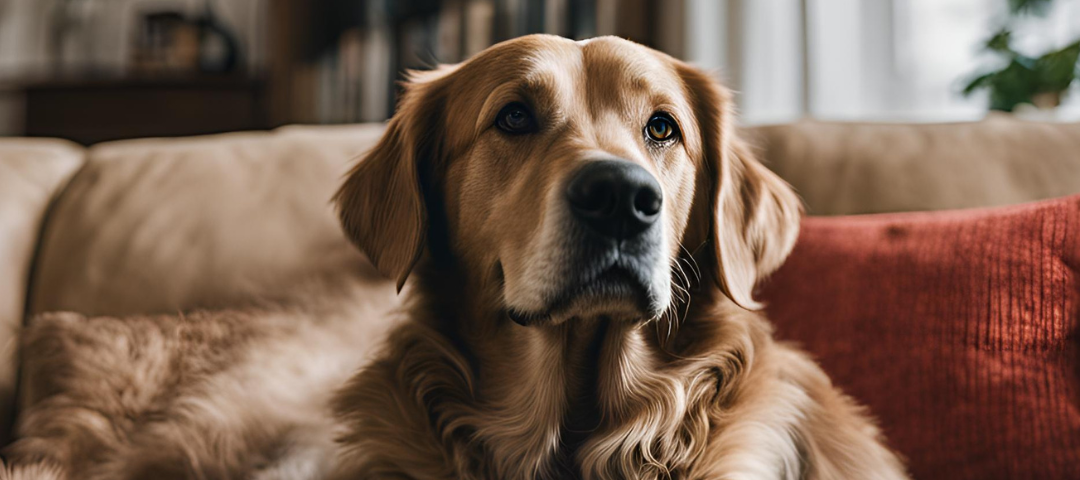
<point x="865" y="60"/>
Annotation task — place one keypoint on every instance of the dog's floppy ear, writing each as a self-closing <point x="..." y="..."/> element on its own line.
<point x="751" y="215"/>
<point x="381" y="205"/>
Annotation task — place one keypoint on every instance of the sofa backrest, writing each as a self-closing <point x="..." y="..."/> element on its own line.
<point x="849" y="168"/>
<point x="168" y="225"/>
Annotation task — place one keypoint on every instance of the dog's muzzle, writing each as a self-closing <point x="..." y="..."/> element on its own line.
<point x="612" y="246"/>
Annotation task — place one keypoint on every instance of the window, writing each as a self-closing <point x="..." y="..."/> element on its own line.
<point x="888" y="60"/>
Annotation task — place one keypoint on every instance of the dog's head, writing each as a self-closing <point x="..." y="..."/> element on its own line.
<point x="570" y="179"/>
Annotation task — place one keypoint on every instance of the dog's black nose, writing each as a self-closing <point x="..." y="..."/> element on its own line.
<point x="616" y="198"/>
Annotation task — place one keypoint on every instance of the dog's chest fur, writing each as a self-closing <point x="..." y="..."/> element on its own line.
<point x="592" y="400"/>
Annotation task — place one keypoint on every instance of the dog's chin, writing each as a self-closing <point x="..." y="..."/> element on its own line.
<point x="616" y="294"/>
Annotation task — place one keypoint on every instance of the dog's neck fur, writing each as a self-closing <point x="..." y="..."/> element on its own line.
<point x="591" y="398"/>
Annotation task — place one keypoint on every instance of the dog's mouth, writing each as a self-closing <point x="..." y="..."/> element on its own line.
<point x="615" y="291"/>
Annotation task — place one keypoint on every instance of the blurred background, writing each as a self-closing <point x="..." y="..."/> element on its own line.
<point x="96" y="70"/>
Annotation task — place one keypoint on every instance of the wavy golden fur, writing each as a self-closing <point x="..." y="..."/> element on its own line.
<point x="689" y="385"/>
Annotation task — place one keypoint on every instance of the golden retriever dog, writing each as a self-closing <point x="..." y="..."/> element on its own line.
<point x="582" y="232"/>
<point x="585" y="233"/>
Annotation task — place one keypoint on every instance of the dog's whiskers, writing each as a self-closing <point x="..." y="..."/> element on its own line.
<point x="681" y="285"/>
<point x="691" y="262"/>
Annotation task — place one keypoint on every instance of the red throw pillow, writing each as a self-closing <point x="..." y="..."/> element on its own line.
<point x="957" y="329"/>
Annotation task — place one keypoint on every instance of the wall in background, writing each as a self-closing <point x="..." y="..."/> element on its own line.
<point x="105" y="43"/>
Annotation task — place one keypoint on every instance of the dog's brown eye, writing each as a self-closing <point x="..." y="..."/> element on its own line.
<point x="661" y="128"/>
<point x="515" y="118"/>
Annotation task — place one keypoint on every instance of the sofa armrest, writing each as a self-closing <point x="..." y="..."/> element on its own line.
<point x="32" y="172"/>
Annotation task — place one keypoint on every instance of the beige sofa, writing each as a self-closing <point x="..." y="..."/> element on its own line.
<point x="172" y="225"/>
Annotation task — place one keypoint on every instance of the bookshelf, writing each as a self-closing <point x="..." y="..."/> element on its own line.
<point x="338" y="61"/>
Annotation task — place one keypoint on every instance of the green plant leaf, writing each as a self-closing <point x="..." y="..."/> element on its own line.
<point x="1001" y="42"/>
<point x="1013" y="85"/>
<point x="1036" y="7"/>
<point x="1026" y="61"/>
<point x="979" y="82"/>
<point x="1057" y="70"/>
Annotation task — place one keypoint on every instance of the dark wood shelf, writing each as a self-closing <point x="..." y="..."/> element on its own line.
<point x="97" y="109"/>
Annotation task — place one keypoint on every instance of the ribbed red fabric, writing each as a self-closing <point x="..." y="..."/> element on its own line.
<point x="958" y="330"/>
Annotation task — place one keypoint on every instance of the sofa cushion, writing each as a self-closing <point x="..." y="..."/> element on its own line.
<point x="846" y="168"/>
<point x="31" y="171"/>
<point x="166" y="225"/>
<point x="958" y="329"/>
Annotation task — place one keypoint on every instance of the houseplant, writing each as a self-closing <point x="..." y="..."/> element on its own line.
<point x="1041" y="80"/>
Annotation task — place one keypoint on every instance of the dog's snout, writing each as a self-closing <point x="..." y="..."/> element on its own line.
<point x="615" y="198"/>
